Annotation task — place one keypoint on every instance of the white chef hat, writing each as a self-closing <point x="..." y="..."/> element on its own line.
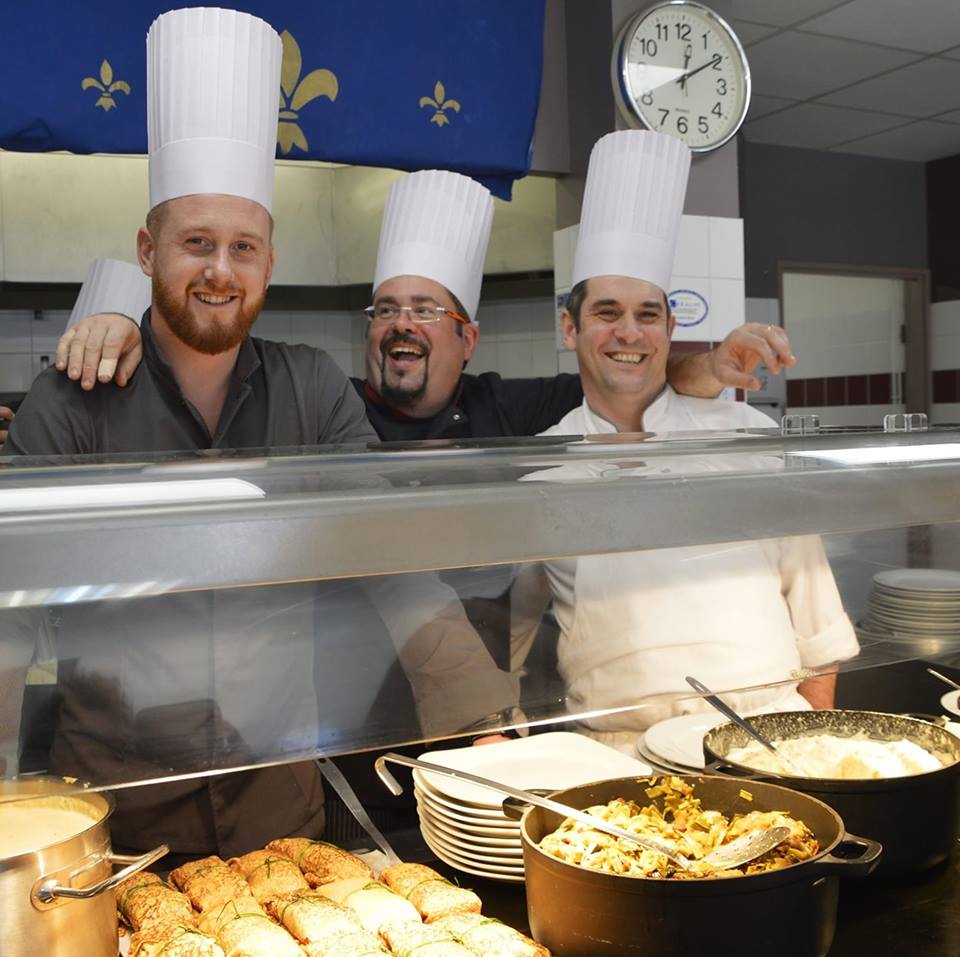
<point x="437" y="224"/>
<point x="213" y="79"/>
<point x="632" y="205"/>
<point x="112" y="286"/>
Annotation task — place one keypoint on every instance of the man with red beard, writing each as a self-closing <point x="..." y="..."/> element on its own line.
<point x="204" y="382"/>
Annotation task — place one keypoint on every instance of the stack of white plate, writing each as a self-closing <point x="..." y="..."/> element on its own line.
<point x="463" y="823"/>
<point x="916" y="605"/>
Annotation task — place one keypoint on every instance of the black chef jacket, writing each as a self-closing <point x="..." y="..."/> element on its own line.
<point x="484" y="406"/>
<point x="279" y="395"/>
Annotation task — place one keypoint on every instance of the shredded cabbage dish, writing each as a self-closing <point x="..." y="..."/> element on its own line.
<point x="681" y="822"/>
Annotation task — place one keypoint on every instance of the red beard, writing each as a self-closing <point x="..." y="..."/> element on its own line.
<point x="209" y="337"/>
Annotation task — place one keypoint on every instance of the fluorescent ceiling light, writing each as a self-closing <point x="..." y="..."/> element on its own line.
<point x="126" y="494"/>
<point x="886" y="454"/>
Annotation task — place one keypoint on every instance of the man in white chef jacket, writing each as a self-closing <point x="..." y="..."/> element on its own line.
<point x="634" y="625"/>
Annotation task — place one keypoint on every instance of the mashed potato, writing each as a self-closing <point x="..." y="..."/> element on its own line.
<point x="843" y="758"/>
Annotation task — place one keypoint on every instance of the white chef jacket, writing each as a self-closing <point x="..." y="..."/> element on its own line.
<point x="633" y="625"/>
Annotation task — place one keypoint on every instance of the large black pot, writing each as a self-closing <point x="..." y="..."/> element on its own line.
<point x="579" y="912"/>
<point x="916" y="818"/>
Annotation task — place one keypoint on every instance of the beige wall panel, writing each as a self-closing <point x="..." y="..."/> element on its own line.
<point x="60" y="211"/>
<point x="304" y="234"/>
<point x="522" y="237"/>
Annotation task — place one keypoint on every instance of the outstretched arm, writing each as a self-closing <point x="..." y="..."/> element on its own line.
<point x="730" y="365"/>
<point x="100" y="348"/>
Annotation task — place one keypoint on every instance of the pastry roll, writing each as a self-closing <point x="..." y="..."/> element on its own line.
<point x="145" y="899"/>
<point x="490" y="938"/>
<point x="255" y="935"/>
<point x="374" y="903"/>
<point x="347" y="946"/>
<point x="432" y="895"/>
<point x="209" y="883"/>
<point x="315" y="919"/>
<point x="269" y="874"/>
<point x="408" y="939"/>
<point x="168" y="939"/>
<point x="214" y="918"/>
<point x="319" y="861"/>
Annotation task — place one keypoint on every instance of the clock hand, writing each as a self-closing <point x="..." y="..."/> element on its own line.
<point x="716" y="58"/>
<point x="687" y="53"/>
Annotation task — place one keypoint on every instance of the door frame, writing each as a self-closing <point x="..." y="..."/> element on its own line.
<point x="917" y="387"/>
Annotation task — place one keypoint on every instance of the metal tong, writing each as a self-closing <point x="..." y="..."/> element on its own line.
<point x="742" y="722"/>
<point x="737" y="852"/>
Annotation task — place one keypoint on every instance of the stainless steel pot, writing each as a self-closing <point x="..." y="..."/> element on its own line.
<point x="58" y="900"/>
<point x="916" y="818"/>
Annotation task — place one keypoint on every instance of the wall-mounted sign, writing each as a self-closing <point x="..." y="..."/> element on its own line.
<point x="689" y="308"/>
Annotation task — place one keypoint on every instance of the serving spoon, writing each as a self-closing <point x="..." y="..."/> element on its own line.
<point x="737" y="852"/>
<point x="741" y="722"/>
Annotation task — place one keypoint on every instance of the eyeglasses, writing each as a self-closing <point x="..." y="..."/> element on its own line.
<point x="422" y="314"/>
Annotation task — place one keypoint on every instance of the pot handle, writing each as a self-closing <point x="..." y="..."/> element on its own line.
<point x="48" y="892"/>
<point x="844" y="860"/>
<point x="513" y="808"/>
<point x="717" y="766"/>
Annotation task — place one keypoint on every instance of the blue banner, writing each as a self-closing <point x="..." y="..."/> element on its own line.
<point x="405" y="84"/>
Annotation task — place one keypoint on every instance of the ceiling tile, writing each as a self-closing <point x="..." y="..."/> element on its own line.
<point x="921" y="89"/>
<point x="779" y="13"/>
<point x="762" y="105"/>
<point x="921" y="141"/>
<point x="812" y="126"/>
<point x="927" y="26"/>
<point x="751" y="32"/>
<point x="802" y="65"/>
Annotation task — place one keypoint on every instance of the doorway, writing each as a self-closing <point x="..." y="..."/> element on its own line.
<point x="860" y="336"/>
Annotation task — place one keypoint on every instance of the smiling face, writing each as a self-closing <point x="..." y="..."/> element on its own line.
<point x="416" y="367"/>
<point x="622" y="345"/>
<point x="210" y="259"/>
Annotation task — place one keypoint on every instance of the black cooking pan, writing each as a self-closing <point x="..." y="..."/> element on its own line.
<point x="916" y="818"/>
<point x="579" y="912"/>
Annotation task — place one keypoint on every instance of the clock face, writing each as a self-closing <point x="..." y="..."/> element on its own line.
<point x="679" y="69"/>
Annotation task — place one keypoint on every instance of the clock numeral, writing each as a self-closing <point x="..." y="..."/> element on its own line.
<point x="682" y="124"/>
<point x="716" y="111"/>
<point x="648" y="46"/>
<point x="647" y="98"/>
<point x="663" y="32"/>
<point x="717" y="60"/>
<point x="663" y="119"/>
<point x="683" y="31"/>
<point x="705" y="36"/>
<point x="721" y="86"/>
<point x="702" y="125"/>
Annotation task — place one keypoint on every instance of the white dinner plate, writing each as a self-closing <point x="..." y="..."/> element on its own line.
<point x="511" y="874"/>
<point x="470" y="813"/>
<point x="496" y="857"/>
<point x="940" y="580"/>
<point x="556" y="760"/>
<point x="951" y="702"/>
<point x="662" y="765"/>
<point x="508" y="832"/>
<point x="479" y="842"/>
<point x="679" y="740"/>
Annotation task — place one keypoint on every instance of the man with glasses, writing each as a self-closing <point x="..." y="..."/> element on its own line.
<point x="423" y="331"/>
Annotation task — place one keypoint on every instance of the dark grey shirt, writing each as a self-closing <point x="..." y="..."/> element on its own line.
<point x="279" y="395"/>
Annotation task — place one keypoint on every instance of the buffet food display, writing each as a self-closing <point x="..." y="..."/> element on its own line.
<point x="686" y="825"/>
<point x="303" y="898"/>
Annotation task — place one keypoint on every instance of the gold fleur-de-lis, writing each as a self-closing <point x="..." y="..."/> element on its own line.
<point x="296" y="94"/>
<point x="440" y="105"/>
<point x="106" y="85"/>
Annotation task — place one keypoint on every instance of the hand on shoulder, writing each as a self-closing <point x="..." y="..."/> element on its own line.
<point x="100" y="348"/>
